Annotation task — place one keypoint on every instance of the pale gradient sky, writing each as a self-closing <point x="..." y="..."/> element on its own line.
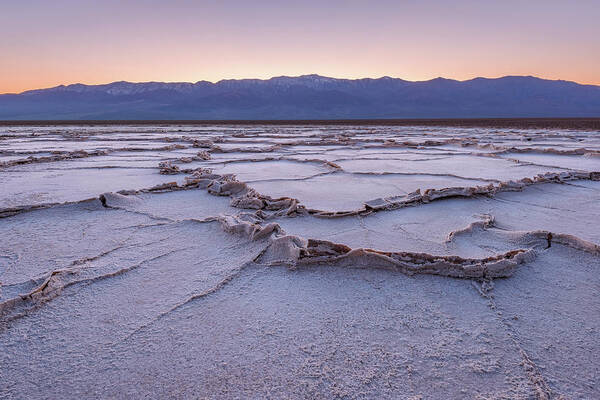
<point x="45" y="43"/>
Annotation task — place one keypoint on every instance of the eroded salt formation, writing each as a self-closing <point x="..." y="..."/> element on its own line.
<point x="299" y="262"/>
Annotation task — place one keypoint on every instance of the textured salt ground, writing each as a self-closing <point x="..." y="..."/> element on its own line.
<point x="269" y="170"/>
<point x="157" y="295"/>
<point x="465" y="166"/>
<point x="176" y="206"/>
<point x="162" y="265"/>
<point x="559" y="327"/>
<point x="115" y="160"/>
<point x="557" y="208"/>
<point x="35" y="184"/>
<point x="586" y="163"/>
<point x="45" y="240"/>
<point x="342" y="191"/>
<point x="361" y="333"/>
<point x="237" y="156"/>
<point x="66" y="145"/>
<point x="273" y="333"/>
<point x="29" y="240"/>
<point x="5" y="157"/>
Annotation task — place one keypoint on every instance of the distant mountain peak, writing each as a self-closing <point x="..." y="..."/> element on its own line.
<point x="308" y="97"/>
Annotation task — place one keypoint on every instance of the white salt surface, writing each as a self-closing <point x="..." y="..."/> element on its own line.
<point x="299" y="262"/>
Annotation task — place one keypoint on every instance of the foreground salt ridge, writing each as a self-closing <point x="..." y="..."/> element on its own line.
<point x="243" y="196"/>
<point x="253" y="221"/>
<point x="313" y="140"/>
<point x="295" y="251"/>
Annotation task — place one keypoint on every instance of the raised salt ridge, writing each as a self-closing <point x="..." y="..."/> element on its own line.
<point x="299" y="262"/>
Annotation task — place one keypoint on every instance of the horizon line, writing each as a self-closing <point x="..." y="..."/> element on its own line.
<point x="533" y="122"/>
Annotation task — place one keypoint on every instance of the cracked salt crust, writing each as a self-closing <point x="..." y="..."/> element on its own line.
<point x="298" y="262"/>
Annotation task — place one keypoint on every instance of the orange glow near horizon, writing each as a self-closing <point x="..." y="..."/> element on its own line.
<point x="47" y="44"/>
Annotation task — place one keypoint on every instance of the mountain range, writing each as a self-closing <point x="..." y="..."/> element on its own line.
<point x="307" y="97"/>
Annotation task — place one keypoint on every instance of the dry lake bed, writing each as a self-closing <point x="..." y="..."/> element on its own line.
<point x="397" y="262"/>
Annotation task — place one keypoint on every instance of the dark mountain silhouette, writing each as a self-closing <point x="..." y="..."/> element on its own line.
<point x="308" y="97"/>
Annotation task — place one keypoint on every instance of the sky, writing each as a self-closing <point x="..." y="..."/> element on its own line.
<point x="47" y="43"/>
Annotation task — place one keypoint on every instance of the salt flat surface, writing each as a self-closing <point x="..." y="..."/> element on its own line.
<point x="36" y="184"/>
<point x="343" y="191"/>
<point x="352" y="262"/>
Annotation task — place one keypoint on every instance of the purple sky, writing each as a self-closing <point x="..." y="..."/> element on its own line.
<point x="46" y="43"/>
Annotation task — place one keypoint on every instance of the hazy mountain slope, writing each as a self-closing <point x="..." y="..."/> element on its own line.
<point x="308" y="97"/>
